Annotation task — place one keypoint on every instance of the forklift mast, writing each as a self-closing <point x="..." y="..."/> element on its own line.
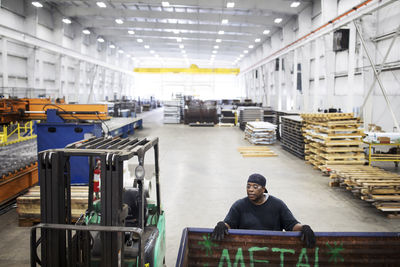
<point x="56" y="228"/>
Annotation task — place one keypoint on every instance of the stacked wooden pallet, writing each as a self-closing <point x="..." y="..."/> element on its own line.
<point x="372" y="184"/>
<point x="256" y="151"/>
<point x="333" y="139"/>
<point x="28" y="205"/>
<point x="292" y="139"/>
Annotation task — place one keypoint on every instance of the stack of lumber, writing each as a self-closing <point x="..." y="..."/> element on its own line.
<point x="332" y="139"/>
<point x="292" y="139"/>
<point x="256" y="151"/>
<point x="28" y="205"/>
<point x="372" y="184"/>
<point x="260" y="133"/>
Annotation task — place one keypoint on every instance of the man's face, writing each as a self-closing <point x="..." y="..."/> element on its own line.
<point x="255" y="191"/>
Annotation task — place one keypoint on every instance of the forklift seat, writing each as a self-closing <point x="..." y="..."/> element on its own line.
<point x="131" y="198"/>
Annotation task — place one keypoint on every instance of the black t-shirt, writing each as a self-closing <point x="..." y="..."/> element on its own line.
<point x="273" y="215"/>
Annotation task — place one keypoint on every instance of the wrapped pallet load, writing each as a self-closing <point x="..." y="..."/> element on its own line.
<point x="260" y="133"/>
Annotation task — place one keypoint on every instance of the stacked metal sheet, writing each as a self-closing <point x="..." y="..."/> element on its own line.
<point x="172" y="111"/>
<point x="227" y="116"/>
<point x="269" y="115"/>
<point x="260" y="133"/>
<point x="201" y="113"/>
<point x="277" y="120"/>
<point x="247" y="114"/>
<point x="292" y="139"/>
<point x="17" y="156"/>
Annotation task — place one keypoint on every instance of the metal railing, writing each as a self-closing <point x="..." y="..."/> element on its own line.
<point x="23" y="132"/>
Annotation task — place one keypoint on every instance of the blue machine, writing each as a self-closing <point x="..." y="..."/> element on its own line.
<point x="56" y="133"/>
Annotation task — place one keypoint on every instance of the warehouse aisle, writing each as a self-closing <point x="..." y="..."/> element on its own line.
<point x="202" y="174"/>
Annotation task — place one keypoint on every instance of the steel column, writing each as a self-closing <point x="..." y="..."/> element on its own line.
<point x="396" y="123"/>
<point x="397" y="33"/>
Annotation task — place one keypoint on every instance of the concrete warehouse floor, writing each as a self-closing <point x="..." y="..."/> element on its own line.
<point x="202" y="174"/>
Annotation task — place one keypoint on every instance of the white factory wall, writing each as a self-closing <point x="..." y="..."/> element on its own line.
<point x="27" y="71"/>
<point x="329" y="78"/>
<point x="205" y="87"/>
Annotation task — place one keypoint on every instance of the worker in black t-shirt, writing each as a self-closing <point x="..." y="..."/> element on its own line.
<point x="261" y="211"/>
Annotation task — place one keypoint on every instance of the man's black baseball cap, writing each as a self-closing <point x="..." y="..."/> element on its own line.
<point x="258" y="179"/>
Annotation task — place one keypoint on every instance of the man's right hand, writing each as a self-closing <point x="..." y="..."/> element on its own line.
<point x="220" y="231"/>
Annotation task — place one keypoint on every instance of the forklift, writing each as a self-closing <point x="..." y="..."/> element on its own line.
<point x="120" y="227"/>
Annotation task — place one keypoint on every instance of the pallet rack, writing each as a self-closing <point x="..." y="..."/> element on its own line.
<point x="292" y="139"/>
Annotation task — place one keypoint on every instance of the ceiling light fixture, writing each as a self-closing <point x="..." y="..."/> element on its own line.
<point x="100" y="39"/>
<point x="216" y="46"/>
<point x="147" y="46"/>
<point x="181" y="46"/>
<point x="278" y="20"/>
<point x="224" y="21"/>
<point x="165" y="4"/>
<point x="119" y="21"/>
<point x="131" y="32"/>
<point x="176" y="31"/>
<point x="251" y="46"/>
<point x="66" y="21"/>
<point x="295" y="4"/>
<point x="241" y="55"/>
<point x="37" y="4"/>
<point x="152" y="52"/>
<point x="257" y="40"/>
<point x="139" y="40"/>
<point x="101" y="4"/>
<point x="221" y="32"/>
<point x="86" y="31"/>
<point x="218" y="40"/>
<point x="179" y="39"/>
<point x="183" y="52"/>
<point x="121" y="51"/>
<point x="230" y="4"/>
<point x="245" y="51"/>
<point x="214" y="51"/>
<point x="266" y="32"/>
<point x="127" y="55"/>
<point x="112" y="46"/>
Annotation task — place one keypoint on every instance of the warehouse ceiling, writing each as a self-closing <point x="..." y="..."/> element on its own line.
<point x="213" y="32"/>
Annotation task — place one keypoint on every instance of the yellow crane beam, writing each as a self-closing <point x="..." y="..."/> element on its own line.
<point x="193" y="69"/>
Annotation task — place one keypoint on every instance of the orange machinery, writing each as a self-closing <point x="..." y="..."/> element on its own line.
<point x="13" y="182"/>
<point x="35" y="109"/>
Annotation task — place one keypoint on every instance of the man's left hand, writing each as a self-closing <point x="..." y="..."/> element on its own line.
<point x="308" y="236"/>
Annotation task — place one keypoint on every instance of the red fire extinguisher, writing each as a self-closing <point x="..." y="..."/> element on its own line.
<point x="96" y="179"/>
